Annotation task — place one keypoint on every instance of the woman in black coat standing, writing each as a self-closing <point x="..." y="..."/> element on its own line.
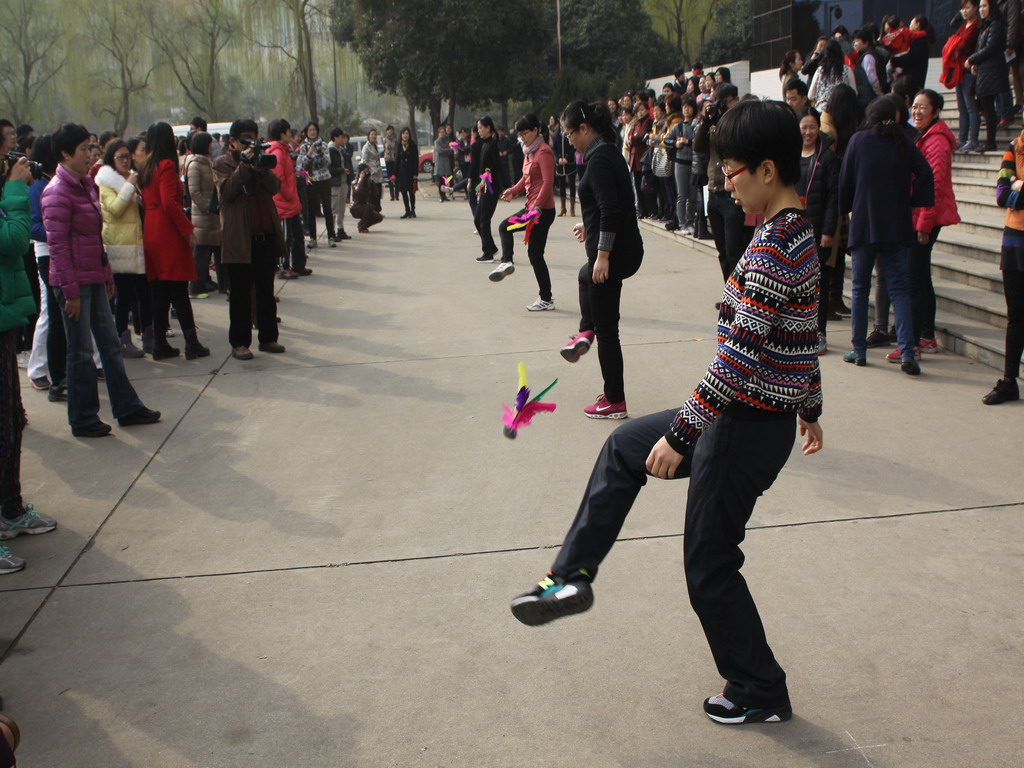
<point x="408" y="166"/>
<point x="486" y="160"/>
<point x="565" y="170"/>
<point x="819" y="189"/>
<point x="989" y="67"/>
<point x="613" y="244"/>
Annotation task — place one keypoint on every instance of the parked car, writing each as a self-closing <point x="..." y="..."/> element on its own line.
<point x="427" y="163"/>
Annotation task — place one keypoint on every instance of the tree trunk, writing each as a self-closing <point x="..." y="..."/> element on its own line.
<point x="504" y="114"/>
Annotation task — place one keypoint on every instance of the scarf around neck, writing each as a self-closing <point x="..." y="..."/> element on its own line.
<point x="529" y="150"/>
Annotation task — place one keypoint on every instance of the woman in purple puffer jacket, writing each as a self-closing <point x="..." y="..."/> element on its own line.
<point x="83" y="285"/>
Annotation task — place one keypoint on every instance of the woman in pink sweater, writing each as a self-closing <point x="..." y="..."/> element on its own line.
<point x="538" y="181"/>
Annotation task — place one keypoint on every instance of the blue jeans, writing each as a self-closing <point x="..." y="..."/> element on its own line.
<point x="894" y="265"/>
<point x="95" y="321"/>
<point x="969" y="117"/>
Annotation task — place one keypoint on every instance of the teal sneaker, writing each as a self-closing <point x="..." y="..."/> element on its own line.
<point x="8" y="562"/>
<point x="553" y="598"/>
<point x="29" y="522"/>
<point x="856" y="359"/>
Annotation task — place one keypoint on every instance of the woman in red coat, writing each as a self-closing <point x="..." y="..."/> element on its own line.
<point x="937" y="144"/>
<point x="168" y="239"/>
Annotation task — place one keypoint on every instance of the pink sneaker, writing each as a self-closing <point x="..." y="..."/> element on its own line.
<point x="928" y="346"/>
<point x="578" y="347"/>
<point x="897" y="357"/>
<point x="602" y="409"/>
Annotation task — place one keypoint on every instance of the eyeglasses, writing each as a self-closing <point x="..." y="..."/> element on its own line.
<point x="122" y="157"/>
<point x="730" y="175"/>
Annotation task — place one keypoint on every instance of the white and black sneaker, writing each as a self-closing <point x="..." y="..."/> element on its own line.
<point x="485" y="258"/>
<point x="501" y="271"/>
<point x="540" y="305"/>
<point x="553" y="598"/>
<point x="721" y="710"/>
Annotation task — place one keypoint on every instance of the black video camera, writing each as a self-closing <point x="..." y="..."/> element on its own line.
<point x="259" y="160"/>
<point x="36" y="169"/>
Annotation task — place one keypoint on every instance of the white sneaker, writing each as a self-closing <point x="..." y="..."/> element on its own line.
<point x="311" y="243"/>
<point x="540" y="305"/>
<point x="500" y="271"/>
<point x="23" y="356"/>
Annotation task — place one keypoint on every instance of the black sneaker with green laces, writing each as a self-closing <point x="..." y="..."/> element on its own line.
<point x="553" y="598"/>
<point x="721" y="710"/>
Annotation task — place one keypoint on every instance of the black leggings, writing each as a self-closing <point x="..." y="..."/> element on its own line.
<point x="409" y="199"/>
<point x="319" y="196"/>
<point x="485" y="206"/>
<point x="12" y="426"/>
<point x="987" y="104"/>
<point x="567" y="182"/>
<point x="132" y="295"/>
<point x="1013" y="288"/>
<point x="165" y="294"/>
<point x="599" y="312"/>
<point x="534" y="249"/>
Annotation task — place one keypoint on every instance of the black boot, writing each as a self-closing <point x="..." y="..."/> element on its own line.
<point x="193" y="348"/>
<point x="161" y="349"/>
<point x="1004" y="391"/>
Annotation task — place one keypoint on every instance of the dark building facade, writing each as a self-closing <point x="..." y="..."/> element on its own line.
<point x="780" y="25"/>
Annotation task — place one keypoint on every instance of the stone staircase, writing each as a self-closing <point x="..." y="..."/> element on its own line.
<point x="970" y="308"/>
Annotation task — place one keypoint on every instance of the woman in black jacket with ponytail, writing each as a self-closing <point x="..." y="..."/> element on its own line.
<point x="486" y="159"/>
<point x="988" y="63"/>
<point x="614" y="248"/>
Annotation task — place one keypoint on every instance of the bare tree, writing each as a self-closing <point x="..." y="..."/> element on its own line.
<point x="686" y="24"/>
<point x="118" y="29"/>
<point x="31" y="39"/>
<point x="191" y="37"/>
<point x="303" y="18"/>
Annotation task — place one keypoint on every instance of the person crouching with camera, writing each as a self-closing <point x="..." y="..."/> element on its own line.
<point x="252" y="241"/>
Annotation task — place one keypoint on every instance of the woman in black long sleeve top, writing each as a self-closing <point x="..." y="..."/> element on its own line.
<point x="486" y="158"/>
<point x="613" y="245"/>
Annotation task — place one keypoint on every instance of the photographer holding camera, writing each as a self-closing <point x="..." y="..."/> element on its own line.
<point x="252" y="241"/>
<point x="726" y="217"/>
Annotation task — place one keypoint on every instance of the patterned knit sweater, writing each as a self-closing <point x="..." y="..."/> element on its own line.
<point x="767" y="333"/>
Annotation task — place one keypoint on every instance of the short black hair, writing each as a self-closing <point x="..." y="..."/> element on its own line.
<point x="336" y="132"/>
<point x="111" y="150"/>
<point x="754" y="131"/>
<point x="42" y="153"/>
<point x="67" y="138"/>
<point x="935" y="98"/>
<point x="274" y="130"/>
<point x="810" y="111"/>
<point x="362" y="167"/>
<point x="200" y="143"/>
<point x="25" y="129"/>
<point x="725" y="91"/>
<point x="106" y="137"/>
<point x="798" y="85"/>
<point x="198" y="123"/>
<point x="527" y="122"/>
<point x="306" y="128"/>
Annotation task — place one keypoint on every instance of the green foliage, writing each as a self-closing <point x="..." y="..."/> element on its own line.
<point x="344" y="116"/>
<point x="611" y="37"/>
<point x="573" y="83"/>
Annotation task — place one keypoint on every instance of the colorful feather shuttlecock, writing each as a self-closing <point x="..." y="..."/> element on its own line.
<point x="525" y="408"/>
<point x="527" y="220"/>
<point x="485" y="182"/>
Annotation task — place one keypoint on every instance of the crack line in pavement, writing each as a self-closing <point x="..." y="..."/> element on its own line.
<point x="88" y="544"/>
<point x="452" y="555"/>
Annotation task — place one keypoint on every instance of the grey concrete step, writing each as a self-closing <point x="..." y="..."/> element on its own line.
<point x="959" y="242"/>
<point x="964" y="270"/>
<point x="983" y="306"/>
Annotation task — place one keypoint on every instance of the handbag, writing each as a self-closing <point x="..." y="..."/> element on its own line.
<point x="660" y="163"/>
<point x="213" y="207"/>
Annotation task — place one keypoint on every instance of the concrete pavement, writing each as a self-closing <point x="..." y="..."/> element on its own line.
<point x="308" y="561"/>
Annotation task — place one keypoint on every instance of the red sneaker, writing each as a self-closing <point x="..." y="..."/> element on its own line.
<point x="602" y="409"/>
<point x="928" y="346"/>
<point x="578" y="347"/>
<point x="897" y="357"/>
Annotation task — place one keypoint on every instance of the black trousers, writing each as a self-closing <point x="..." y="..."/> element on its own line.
<point x="919" y="285"/>
<point x="319" y="196"/>
<point x="599" y="312"/>
<point x="165" y="294"/>
<point x="731" y="236"/>
<point x="133" y="295"/>
<point x="1013" y="288"/>
<point x="296" y="249"/>
<point x="736" y="460"/>
<point x="534" y="248"/>
<point x="255" y="279"/>
<point x="409" y="200"/>
<point x="485" y="206"/>
<point x="56" y="338"/>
